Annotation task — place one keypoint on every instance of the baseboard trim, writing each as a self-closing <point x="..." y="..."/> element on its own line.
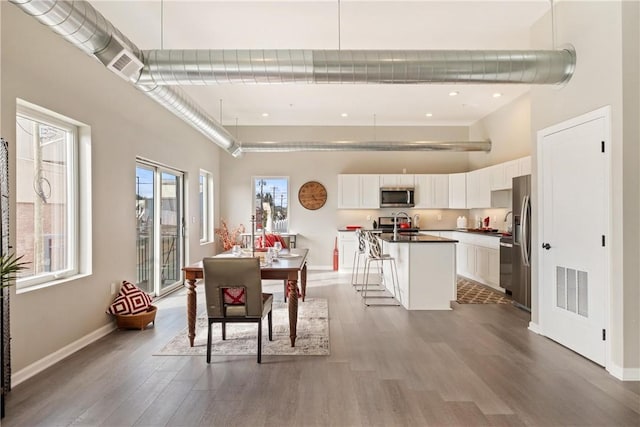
<point x="624" y="374"/>
<point x="535" y="328"/>
<point x="50" y="360"/>
<point x="320" y="267"/>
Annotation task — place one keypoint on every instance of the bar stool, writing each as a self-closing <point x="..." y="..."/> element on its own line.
<point x="374" y="254"/>
<point x="357" y="255"/>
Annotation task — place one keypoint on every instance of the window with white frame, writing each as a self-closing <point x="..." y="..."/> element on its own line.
<point x="47" y="196"/>
<point x="271" y="203"/>
<point x="206" y="207"/>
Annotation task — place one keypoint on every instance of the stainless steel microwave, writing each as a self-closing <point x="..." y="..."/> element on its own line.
<point x="397" y="197"/>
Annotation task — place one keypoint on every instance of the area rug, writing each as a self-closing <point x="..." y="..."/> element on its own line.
<point x="312" y="334"/>
<point x="470" y="292"/>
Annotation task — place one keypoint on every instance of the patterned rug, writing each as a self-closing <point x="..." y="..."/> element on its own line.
<point x="312" y="334"/>
<point x="470" y="292"/>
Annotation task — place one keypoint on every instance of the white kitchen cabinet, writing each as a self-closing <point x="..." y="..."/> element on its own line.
<point x="479" y="258"/>
<point x="348" y="191"/>
<point x="370" y="191"/>
<point x="479" y="188"/>
<point x="458" y="191"/>
<point x="503" y="173"/>
<point x="487" y="266"/>
<point x="465" y="259"/>
<point x="397" y="180"/>
<point x="524" y="166"/>
<point x="432" y="191"/>
<point x="358" y="192"/>
<point x="347" y="245"/>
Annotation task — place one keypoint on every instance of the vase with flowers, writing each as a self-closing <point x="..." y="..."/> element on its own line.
<point x="229" y="237"/>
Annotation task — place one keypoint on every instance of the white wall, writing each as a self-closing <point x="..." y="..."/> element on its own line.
<point x="509" y="130"/>
<point x="42" y="68"/>
<point x="318" y="229"/>
<point x="596" y="30"/>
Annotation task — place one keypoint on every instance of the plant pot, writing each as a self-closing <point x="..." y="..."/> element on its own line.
<point x="137" y="321"/>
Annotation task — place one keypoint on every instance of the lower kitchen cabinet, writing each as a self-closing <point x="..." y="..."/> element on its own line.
<point x="478" y="258"/>
<point x="347" y="245"/>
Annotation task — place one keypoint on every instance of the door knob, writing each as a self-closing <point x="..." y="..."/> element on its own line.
<point x="546" y="246"/>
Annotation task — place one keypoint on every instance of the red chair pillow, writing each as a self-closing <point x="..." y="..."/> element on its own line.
<point x="234" y="296"/>
<point x="130" y="300"/>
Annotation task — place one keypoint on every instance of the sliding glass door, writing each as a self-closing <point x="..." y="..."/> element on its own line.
<point x="160" y="228"/>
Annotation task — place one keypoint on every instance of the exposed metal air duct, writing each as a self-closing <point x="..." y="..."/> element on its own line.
<point x="208" y="67"/>
<point x="281" y="147"/>
<point x="82" y="25"/>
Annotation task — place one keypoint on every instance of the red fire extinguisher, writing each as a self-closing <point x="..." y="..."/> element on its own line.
<point x="335" y="255"/>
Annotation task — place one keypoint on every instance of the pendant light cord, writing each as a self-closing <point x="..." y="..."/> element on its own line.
<point x="339" y="26"/>
<point x="553" y="26"/>
<point x="161" y="24"/>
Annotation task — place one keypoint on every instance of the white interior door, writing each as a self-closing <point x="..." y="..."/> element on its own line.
<point x="574" y="191"/>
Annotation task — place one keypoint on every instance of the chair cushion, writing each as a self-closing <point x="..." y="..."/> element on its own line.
<point x="130" y="300"/>
<point x="234" y="296"/>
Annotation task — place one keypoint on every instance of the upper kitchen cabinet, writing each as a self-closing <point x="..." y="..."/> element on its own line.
<point x="358" y="191"/>
<point x="432" y="191"/>
<point x="458" y="191"/>
<point x="524" y="166"/>
<point x="399" y="180"/>
<point x="479" y="188"/>
<point x="503" y="173"/>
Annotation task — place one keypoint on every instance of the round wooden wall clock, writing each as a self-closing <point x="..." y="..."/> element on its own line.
<point x="312" y="195"/>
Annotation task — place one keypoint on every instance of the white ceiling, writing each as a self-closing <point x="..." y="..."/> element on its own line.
<point x="333" y="24"/>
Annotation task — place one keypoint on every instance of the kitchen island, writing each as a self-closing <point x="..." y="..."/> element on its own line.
<point x="426" y="269"/>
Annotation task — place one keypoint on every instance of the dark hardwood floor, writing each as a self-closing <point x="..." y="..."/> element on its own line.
<point x="474" y="365"/>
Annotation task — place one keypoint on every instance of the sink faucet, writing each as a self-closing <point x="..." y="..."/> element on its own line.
<point x="395" y="222"/>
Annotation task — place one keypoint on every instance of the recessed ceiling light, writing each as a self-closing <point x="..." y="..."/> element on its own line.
<point x="265" y="114"/>
<point x="344" y="115"/>
<point x="429" y="115"/>
<point x="453" y="93"/>
<point x="497" y="95"/>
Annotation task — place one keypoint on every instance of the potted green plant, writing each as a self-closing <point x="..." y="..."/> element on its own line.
<point x="10" y="265"/>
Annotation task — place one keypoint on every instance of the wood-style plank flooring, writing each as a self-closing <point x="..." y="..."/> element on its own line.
<point x="474" y="365"/>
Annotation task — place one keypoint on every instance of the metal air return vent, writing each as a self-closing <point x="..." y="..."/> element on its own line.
<point x="125" y="63"/>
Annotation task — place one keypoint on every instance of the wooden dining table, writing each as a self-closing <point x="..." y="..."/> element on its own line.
<point x="287" y="267"/>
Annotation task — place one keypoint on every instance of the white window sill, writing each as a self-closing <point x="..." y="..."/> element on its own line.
<point x="51" y="283"/>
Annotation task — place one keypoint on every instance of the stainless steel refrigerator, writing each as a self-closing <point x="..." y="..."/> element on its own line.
<point x="521" y="255"/>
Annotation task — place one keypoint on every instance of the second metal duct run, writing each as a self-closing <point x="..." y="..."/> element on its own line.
<point x="280" y="147"/>
<point x="208" y="67"/>
<point x="87" y="29"/>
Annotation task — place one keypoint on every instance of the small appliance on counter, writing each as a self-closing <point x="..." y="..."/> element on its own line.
<point x="461" y="222"/>
<point x="385" y="224"/>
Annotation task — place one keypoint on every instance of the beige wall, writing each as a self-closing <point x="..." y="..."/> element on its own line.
<point x="42" y="68"/>
<point x="317" y="229"/>
<point x="595" y="29"/>
<point x="509" y="130"/>
<point x="631" y="180"/>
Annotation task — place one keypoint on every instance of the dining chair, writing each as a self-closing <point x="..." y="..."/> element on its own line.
<point x="233" y="291"/>
<point x="375" y="255"/>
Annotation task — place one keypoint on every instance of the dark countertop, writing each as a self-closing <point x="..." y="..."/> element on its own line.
<point x="414" y="238"/>
<point x="426" y="230"/>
